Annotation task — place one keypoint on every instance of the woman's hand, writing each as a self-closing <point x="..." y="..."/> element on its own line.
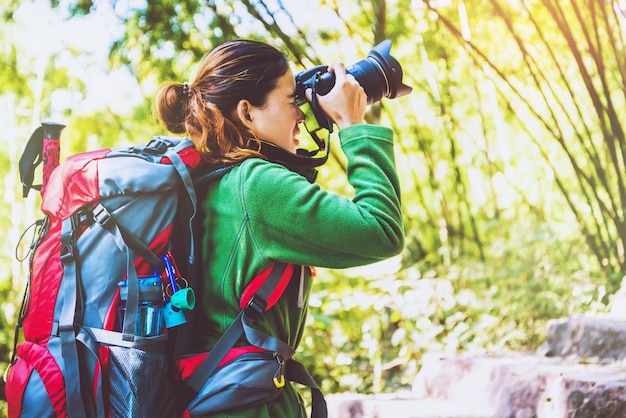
<point x="345" y="103"/>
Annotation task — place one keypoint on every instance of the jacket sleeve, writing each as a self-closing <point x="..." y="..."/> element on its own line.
<point x="294" y="221"/>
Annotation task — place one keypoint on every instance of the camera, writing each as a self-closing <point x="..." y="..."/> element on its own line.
<point x="379" y="74"/>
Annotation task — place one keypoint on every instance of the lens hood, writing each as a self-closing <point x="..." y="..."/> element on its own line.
<point x="391" y="70"/>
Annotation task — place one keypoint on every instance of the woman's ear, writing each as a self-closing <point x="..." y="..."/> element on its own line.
<point x="243" y="111"/>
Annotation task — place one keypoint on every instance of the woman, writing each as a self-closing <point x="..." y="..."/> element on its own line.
<point x="263" y="212"/>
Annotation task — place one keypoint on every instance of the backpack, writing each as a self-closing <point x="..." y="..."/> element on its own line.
<point x="108" y="313"/>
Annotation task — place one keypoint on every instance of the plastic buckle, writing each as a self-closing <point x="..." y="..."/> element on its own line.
<point x="67" y="249"/>
<point x="255" y="307"/>
<point x="102" y="215"/>
<point x="83" y="216"/>
<point x="156" y="147"/>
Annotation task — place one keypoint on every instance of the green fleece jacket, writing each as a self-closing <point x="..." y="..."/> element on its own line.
<point x="262" y="212"/>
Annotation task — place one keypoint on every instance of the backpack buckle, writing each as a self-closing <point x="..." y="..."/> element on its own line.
<point x="67" y="248"/>
<point x="102" y="215"/>
<point x="83" y="216"/>
<point x="255" y="307"/>
<point x="156" y="146"/>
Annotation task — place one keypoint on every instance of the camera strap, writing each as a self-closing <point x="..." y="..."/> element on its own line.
<point x="322" y="119"/>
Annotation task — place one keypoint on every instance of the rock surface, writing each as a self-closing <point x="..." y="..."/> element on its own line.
<point x="525" y="386"/>
<point x="587" y="336"/>
<point x="579" y="373"/>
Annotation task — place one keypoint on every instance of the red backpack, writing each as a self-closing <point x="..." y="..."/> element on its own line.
<point x="107" y="313"/>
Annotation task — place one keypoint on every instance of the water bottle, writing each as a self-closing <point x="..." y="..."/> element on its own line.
<point x="149" y="317"/>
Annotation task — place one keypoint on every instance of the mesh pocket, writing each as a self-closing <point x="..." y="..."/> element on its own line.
<point x="139" y="385"/>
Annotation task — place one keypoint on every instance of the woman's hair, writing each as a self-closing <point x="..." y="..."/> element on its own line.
<point x="205" y="108"/>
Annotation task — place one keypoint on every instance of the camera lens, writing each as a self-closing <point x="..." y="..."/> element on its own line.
<point x="380" y="74"/>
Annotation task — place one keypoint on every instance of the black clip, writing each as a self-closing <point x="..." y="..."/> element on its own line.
<point x="67" y="248"/>
<point x="84" y="216"/>
<point x="156" y="146"/>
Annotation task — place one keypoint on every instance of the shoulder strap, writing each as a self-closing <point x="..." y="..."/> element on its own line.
<point x="186" y="243"/>
<point x="242" y="324"/>
<point x="296" y="372"/>
<point x="207" y="173"/>
<point x="258" y="298"/>
<point x="201" y="177"/>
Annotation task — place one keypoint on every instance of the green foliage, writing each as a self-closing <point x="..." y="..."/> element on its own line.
<point x="557" y="76"/>
<point x="162" y="39"/>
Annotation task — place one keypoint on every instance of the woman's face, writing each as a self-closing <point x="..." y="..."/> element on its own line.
<point x="277" y="121"/>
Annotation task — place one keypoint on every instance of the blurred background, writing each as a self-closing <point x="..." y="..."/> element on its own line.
<point x="511" y="150"/>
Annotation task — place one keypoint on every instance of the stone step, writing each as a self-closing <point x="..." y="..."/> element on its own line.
<point x="395" y="406"/>
<point x="524" y="386"/>
<point x="580" y="372"/>
<point x="601" y="337"/>
<point x="508" y="386"/>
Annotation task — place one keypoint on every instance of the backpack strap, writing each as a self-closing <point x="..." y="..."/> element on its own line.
<point x="199" y="180"/>
<point x="208" y="173"/>
<point x="260" y="295"/>
<point x="242" y="324"/>
<point x="187" y="243"/>
<point x="268" y="294"/>
<point x="270" y="290"/>
<point x="102" y="215"/>
<point x="66" y="326"/>
<point x="188" y="183"/>
<point x="296" y="372"/>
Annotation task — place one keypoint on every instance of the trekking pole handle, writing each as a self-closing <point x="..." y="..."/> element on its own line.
<point x="51" y="150"/>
